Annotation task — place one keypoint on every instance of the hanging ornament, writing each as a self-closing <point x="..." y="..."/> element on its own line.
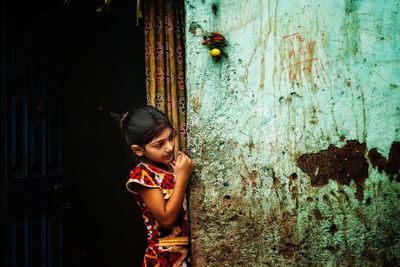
<point x="215" y="53"/>
<point x="215" y="42"/>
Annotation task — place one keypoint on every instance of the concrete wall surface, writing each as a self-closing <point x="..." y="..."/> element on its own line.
<point x="295" y="133"/>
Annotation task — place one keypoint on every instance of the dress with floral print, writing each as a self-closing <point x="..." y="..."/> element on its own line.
<point x="161" y="256"/>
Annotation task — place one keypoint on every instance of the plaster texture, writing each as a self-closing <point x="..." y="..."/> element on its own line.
<point x="295" y="133"/>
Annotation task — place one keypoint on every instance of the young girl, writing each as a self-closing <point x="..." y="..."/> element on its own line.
<point x="158" y="183"/>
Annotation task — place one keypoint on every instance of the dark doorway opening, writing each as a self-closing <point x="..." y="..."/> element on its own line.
<point x="66" y="68"/>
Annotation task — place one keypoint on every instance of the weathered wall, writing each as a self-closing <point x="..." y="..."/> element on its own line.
<point x="295" y="134"/>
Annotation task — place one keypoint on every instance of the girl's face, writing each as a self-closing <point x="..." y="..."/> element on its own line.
<point x="161" y="148"/>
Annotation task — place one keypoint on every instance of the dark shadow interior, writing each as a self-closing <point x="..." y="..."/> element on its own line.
<point x="93" y="64"/>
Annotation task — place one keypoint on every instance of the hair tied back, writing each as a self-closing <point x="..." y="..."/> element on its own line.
<point x="119" y="119"/>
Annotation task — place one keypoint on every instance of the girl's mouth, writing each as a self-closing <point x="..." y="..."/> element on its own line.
<point x="170" y="157"/>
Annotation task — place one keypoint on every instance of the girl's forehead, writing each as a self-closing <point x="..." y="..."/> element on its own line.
<point x="163" y="135"/>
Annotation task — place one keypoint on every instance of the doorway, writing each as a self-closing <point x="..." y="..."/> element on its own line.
<point x="67" y="68"/>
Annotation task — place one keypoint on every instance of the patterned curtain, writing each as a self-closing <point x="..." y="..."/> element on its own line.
<point x="165" y="67"/>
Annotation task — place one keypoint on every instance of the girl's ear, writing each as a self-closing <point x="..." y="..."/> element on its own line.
<point x="138" y="150"/>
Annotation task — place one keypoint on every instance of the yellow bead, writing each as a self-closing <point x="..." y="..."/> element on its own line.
<point x="215" y="53"/>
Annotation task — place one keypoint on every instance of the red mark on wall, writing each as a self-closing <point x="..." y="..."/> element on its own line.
<point x="301" y="56"/>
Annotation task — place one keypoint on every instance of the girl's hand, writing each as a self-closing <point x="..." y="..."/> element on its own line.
<point x="167" y="212"/>
<point x="183" y="166"/>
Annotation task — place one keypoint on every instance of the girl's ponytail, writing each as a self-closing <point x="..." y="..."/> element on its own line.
<point x="120" y="119"/>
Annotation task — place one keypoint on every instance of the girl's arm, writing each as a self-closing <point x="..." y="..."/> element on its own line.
<point x="166" y="211"/>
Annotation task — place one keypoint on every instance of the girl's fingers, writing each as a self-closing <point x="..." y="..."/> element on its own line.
<point x="180" y="154"/>
<point x="178" y="158"/>
<point x="182" y="159"/>
<point x="173" y="166"/>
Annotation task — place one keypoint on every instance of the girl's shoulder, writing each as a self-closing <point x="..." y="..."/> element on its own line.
<point x="150" y="176"/>
<point x="144" y="175"/>
<point x="152" y="168"/>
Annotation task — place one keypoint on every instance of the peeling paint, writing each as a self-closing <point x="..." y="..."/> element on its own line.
<point x="339" y="164"/>
<point x="195" y="29"/>
<point x="377" y="160"/>
<point x="391" y="166"/>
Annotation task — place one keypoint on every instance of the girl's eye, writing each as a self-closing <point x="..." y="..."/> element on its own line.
<point x="158" y="145"/>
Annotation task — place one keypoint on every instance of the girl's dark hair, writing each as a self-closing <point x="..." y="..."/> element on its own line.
<point x="140" y="126"/>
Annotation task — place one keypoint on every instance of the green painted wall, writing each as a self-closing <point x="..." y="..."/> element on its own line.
<point x="295" y="133"/>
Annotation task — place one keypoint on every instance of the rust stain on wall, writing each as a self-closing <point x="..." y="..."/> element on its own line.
<point x="287" y="231"/>
<point x="339" y="164"/>
<point x="241" y="230"/>
<point x="349" y="163"/>
<point x="377" y="160"/>
<point x="391" y="166"/>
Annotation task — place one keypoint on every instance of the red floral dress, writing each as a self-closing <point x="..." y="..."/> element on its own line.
<point x="156" y="255"/>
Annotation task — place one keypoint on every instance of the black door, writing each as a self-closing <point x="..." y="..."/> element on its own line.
<point x="66" y="67"/>
<point x="34" y="199"/>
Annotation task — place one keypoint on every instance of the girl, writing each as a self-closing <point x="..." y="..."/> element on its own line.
<point x="158" y="183"/>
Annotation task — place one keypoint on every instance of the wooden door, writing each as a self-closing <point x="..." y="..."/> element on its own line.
<point x="35" y="195"/>
<point x="36" y="187"/>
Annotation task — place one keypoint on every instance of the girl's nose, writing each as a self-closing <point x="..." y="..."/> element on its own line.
<point x="170" y="146"/>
